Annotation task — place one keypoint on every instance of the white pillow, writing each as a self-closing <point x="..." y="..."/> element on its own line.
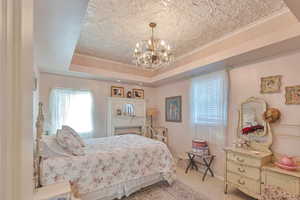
<point x="50" y="147"/>
<point x="74" y="133"/>
<point x="69" y="142"/>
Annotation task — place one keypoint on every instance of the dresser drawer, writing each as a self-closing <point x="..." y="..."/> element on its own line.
<point x="244" y="183"/>
<point x="250" y="172"/>
<point x="243" y="159"/>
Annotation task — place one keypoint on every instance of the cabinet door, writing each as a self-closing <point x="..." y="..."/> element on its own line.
<point x="288" y="183"/>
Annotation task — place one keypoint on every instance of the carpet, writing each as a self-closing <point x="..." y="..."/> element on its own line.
<point x="163" y="191"/>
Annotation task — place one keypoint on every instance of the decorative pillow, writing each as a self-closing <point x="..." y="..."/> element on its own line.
<point x="74" y="133"/>
<point x="50" y="147"/>
<point x="67" y="141"/>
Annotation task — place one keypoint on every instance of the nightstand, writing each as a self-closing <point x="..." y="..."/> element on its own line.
<point x="61" y="191"/>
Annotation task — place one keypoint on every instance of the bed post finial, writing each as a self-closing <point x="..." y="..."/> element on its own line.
<point x="39" y="132"/>
<point x="40" y="117"/>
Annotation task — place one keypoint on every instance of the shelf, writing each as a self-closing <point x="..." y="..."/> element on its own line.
<point x="274" y="168"/>
<point x="128" y="117"/>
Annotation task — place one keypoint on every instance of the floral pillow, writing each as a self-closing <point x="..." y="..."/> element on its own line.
<point x="70" y="143"/>
<point x="51" y="148"/>
<point x="74" y="133"/>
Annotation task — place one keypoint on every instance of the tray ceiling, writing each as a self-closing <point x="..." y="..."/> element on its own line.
<point x="111" y="28"/>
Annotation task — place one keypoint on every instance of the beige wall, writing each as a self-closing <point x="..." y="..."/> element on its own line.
<point x="245" y="82"/>
<point x="100" y="90"/>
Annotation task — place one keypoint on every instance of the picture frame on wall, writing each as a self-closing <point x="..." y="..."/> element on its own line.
<point x="270" y="84"/>
<point x="138" y="93"/>
<point x="173" y="109"/>
<point x="117" y="91"/>
<point x="292" y="95"/>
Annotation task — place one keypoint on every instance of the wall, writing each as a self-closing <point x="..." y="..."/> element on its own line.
<point x="100" y="90"/>
<point x="244" y="83"/>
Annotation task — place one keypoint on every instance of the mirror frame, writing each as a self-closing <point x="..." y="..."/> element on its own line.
<point x="260" y="146"/>
<point x="255" y="100"/>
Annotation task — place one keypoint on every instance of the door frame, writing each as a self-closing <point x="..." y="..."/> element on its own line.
<point x="16" y="71"/>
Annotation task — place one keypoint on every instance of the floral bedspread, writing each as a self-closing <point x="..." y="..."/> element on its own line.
<point x="110" y="161"/>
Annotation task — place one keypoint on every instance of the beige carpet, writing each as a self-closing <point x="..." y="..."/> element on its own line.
<point x="162" y="191"/>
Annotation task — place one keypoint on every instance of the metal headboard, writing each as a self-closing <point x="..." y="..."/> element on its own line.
<point x="37" y="156"/>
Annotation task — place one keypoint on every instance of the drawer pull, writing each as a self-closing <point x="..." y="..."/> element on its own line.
<point x="241" y="170"/>
<point x="241" y="182"/>
<point x="240" y="160"/>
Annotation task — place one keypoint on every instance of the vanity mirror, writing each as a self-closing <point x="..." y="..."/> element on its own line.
<point x="253" y="130"/>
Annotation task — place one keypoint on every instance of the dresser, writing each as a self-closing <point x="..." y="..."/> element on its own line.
<point x="250" y="150"/>
<point x="243" y="170"/>
<point x="288" y="181"/>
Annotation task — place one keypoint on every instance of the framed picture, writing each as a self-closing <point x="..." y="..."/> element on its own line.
<point x="292" y="95"/>
<point x="173" y="109"/>
<point x="270" y="84"/>
<point x="117" y="91"/>
<point x="138" y="93"/>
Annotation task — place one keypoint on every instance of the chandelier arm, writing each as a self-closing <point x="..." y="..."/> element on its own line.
<point x="151" y="58"/>
<point x="152" y="39"/>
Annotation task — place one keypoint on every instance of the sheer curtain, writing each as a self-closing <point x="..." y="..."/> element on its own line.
<point x="72" y="108"/>
<point x="209" y="102"/>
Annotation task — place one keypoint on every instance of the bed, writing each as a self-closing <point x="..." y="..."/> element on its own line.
<point x="112" y="167"/>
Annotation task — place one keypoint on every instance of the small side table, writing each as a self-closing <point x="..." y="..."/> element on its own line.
<point x="207" y="161"/>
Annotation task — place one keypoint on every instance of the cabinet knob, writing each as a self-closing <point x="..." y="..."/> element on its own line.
<point x="240" y="160"/>
<point x="241" y="182"/>
<point x="241" y="170"/>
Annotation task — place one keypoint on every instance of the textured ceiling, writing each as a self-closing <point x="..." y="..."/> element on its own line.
<point x="112" y="28"/>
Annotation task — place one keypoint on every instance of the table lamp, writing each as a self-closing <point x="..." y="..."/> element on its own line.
<point x="152" y="112"/>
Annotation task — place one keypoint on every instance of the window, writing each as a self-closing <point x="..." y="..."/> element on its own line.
<point x="209" y="95"/>
<point x="72" y="108"/>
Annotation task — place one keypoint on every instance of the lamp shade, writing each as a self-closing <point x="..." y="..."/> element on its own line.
<point x="152" y="112"/>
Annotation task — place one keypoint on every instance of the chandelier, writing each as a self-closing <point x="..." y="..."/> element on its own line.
<point x="152" y="54"/>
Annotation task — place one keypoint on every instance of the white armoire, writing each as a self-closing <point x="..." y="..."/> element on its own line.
<point x="125" y="116"/>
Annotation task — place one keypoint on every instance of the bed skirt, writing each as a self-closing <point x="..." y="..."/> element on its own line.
<point x="123" y="189"/>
